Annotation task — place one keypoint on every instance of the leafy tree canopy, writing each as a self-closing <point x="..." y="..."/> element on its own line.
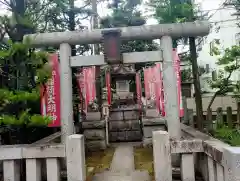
<point x="223" y="83"/>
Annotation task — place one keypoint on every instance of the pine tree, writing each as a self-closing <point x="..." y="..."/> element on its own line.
<point x="125" y="13"/>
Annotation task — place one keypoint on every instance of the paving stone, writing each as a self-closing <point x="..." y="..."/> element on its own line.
<point x="122" y="167"/>
<point x="123" y="159"/>
<point x="122" y="176"/>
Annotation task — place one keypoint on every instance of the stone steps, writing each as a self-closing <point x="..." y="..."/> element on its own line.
<point x="124" y="125"/>
<point x="125" y="136"/>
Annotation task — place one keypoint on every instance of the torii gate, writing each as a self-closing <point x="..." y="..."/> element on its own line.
<point x="163" y="31"/>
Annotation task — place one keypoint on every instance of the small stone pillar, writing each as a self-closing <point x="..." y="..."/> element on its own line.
<point x="75" y="154"/>
<point x="162" y="156"/>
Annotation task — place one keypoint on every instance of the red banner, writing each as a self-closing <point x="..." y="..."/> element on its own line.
<point x="139" y="90"/>
<point x="50" y="94"/>
<point x="153" y="84"/>
<point x="108" y="86"/>
<point x="162" y="107"/>
<point x="147" y="77"/>
<point x="158" y="86"/>
<point x="80" y="80"/>
<point x="87" y="86"/>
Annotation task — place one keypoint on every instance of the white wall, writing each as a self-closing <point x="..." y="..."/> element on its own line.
<point x="224" y="20"/>
<point x="223" y="28"/>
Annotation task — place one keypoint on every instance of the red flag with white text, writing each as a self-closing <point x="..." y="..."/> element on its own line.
<point x="50" y="94"/>
<point x="87" y="86"/>
<point x="153" y="84"/>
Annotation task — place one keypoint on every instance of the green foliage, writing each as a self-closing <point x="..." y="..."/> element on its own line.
<point x="25" y="119"/>
<point x="228" y="135"/>
<point x="23" y="65"/>
<point x="186" y="75"/>
<point x="172" y="11"/>
<point x="14" y="108"/>
<point x="229" y="60"/>
<point x="27" y="70"/>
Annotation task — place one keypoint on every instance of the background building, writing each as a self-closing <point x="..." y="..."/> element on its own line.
<point x="224" y="33"/>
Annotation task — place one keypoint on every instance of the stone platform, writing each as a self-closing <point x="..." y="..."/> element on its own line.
<point x="124" y="125"/>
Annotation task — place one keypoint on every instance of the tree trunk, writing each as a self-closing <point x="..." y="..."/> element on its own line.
<point x="212" y="100"/>
<point x="196" y="81"/>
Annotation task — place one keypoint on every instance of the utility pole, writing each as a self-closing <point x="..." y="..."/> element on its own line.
<point x="196" y="80"/>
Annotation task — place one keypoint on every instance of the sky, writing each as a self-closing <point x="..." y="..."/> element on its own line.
<point x="103" y="11"/>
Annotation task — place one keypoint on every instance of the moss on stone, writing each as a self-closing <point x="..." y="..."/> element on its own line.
<point x="99" y="161"/>
<point x="143" y="158"/>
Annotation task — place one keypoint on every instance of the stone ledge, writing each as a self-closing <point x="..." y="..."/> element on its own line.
<point x="152" y="113"/>
<point x="12" y="152"/>
<point x="147" y="131"/>
<point x="186" y="146"/>
<point x="96" y="145"/>
<point x="93" y="116"/>
<point x="211" y="146"/>
<point x="49" y="139"/>
<point x="153" y="121"/>
<point x="93" y="124"/>
<point x="124" y="125"/>
<point x="94" y="134"/>
<point x="125" y="136"/>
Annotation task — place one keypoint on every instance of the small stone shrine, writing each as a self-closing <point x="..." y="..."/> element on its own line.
<point x="124" y="118"/>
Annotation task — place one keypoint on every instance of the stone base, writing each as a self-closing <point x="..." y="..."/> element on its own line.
<point x="147" y="130"/>
<point x="150" y="125"/>
<point x="96" y="145"/>
<point x="95" y="135"/>
<point x="123" y="114"/>
<point x="125" y="136"/>
<point x="126" y="125"/>
<point x="149" y="121"/>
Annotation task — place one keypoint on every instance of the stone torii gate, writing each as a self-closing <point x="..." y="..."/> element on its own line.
<point x="164" y="32"/>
